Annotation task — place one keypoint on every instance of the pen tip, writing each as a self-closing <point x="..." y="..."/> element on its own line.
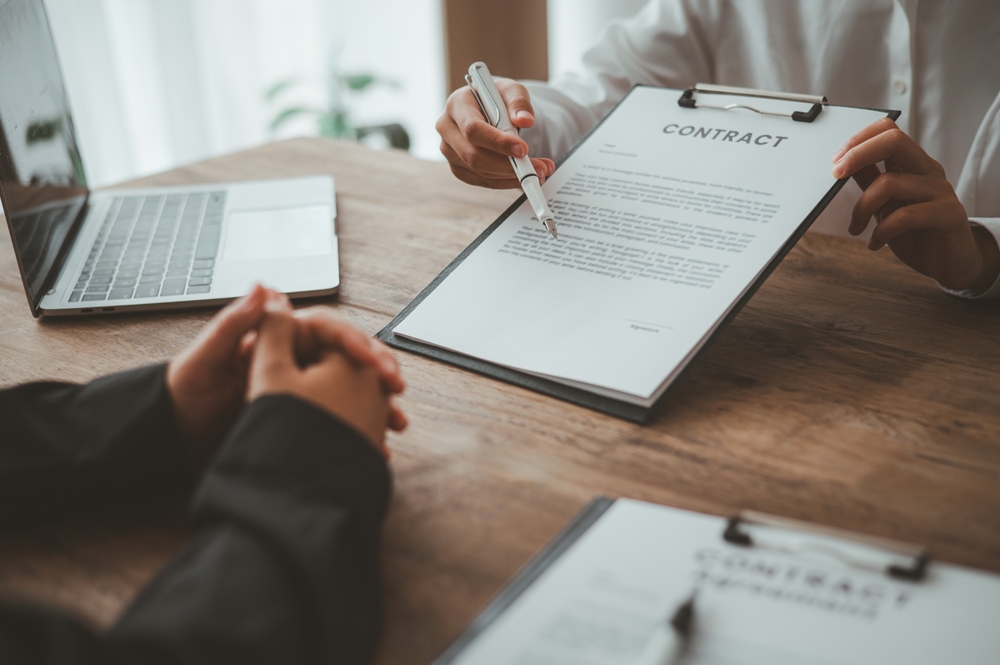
<point x="550" y="224"/>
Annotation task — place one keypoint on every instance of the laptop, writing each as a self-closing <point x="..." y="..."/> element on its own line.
<point x="122" y="250"/>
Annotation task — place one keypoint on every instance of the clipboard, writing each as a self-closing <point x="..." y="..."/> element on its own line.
<point x="690" y="99"/>
<point x="906" y="562"/>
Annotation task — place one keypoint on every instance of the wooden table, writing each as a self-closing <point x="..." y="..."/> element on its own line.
<point x="850" y="391"/>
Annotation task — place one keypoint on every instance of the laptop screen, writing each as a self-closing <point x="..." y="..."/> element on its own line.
<point x="41" y="175"/>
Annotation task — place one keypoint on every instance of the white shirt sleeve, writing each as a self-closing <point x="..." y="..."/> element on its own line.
<point x="991" y="224"/>
<point x="668" y="43"/>
<point x="757" y="43"/>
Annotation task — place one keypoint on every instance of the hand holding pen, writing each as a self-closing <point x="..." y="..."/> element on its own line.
<point x="479" y="153"/>
<point x="494" y="110"/>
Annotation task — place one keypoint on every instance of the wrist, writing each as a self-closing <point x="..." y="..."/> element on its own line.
<point x="199" y="434"/>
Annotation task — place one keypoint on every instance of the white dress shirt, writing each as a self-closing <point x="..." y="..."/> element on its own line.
<point x="937" y="61"/>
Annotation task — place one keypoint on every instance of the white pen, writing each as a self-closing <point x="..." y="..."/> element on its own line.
<point x="670" y="638"/>
<point x="495" y="111"/>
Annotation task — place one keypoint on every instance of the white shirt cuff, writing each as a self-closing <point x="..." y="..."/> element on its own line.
<point x="991" y="224"/>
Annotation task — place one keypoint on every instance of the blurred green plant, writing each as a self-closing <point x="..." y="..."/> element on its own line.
<point x="47" y="130"/>
<point x="335" y="120"/>
<point x="43" y="130"/>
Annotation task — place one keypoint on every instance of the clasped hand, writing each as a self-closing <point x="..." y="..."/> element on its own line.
<point x="259" y="346"/>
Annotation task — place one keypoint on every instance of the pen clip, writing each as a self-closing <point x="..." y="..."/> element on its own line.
<point x="479" y="100"/>
<point x="481" y="91"/>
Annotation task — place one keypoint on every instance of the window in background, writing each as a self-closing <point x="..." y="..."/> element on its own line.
<point x="158" y="83"/>
<point x="576" y="25"/>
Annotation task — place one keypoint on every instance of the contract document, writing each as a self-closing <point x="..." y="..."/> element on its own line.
<point x="667" y="216"/>
<point x="598" y="598"/>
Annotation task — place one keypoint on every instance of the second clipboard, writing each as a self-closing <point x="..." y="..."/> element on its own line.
<point x="801" y="593"/>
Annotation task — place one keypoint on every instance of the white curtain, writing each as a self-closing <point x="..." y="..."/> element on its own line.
<point x="158" y="83"/>
<point x="575" y="25"/>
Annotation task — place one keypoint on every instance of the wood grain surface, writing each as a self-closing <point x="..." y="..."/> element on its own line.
<point x="850" y="391"/>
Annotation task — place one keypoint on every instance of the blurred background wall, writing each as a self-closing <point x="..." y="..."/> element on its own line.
<point x="159" y="83"/>
<point x="574" y="25"/>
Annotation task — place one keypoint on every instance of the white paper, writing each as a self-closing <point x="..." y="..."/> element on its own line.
<point x="663" y="224"/>
<point x="599" y="603"/>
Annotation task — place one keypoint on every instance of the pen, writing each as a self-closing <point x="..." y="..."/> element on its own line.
<point x="670" y="638"/>
<point x="495" y="112"/>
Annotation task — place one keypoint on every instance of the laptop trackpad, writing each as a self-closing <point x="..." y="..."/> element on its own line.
<point x="279" y="234"/>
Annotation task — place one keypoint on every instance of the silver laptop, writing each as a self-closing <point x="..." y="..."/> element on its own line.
<point x="87" y="252"/>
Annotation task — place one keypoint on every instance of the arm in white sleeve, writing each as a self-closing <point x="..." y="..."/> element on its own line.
<point x="991" y="224"/>
<point x="668" y="43"/>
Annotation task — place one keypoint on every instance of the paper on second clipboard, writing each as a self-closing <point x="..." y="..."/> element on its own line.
<point x="663" y="224"/>
<point x="599" y="602"/>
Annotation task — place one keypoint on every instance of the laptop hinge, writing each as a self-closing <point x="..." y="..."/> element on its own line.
<point x="64" y="251"/>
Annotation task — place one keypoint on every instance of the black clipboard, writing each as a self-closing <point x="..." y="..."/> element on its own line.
<point x="624" y="410"/>
<point x="733" y="533"/>
<point x="527" y="576"/>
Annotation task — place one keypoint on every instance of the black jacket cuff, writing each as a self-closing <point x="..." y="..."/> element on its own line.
<point x="288" y="444"/>
<point x="70" y="449"/>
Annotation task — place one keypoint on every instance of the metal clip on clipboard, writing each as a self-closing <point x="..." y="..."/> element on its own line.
<point x="894" y="550"/>
<point x="688" y="100"/>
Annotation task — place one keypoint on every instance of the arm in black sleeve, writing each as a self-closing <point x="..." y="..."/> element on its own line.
<point x="70" y="448"/>
<point x="284" y="567"/>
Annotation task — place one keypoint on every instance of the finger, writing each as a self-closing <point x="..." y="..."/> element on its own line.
<point x="472" y="178"/>
<point x="246" y="344"/>
<point x="518" y="101"/>
<point x="468" y="177"/>
<point x="320" y="328"/>
<point x="485" y="163"/>
<point x="392" y="378"/>
<point x="464" y="112"/>
<point x="484" y="135"/>
<point x="866" y="176"/>
<point x="275" y="301"/>
<point x="892" y="145"/>
<point x="909" y="218"/>
<point x="544" y="166"/>
<point x="221" y="338"/>
<point x="398" y="421"/>
<point x="365" y="406"/>
<point x="871" y="131"/>
<point x="274" y="352"/>
<point x="902" y="187"/>
<point x="245" y="353"/>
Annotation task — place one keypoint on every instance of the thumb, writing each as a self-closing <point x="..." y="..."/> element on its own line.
<point x="274" y="352"/>
<point x="518" y="102"/>
<point x="221" y="338"/>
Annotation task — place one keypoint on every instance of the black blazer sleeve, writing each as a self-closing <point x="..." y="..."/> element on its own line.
<point x="283" y="568"/>
<point x="67" y="449"/>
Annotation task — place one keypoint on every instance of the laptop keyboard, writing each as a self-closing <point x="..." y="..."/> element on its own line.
<point x="152" y="247"/>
